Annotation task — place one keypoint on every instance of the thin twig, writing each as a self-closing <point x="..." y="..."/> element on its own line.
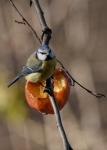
<point x="20" y="22"/>
<point x="74" y="81"/>
<point x="24" y="20"/>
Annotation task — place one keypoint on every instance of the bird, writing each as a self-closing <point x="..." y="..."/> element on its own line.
<point x="39" y="66"/>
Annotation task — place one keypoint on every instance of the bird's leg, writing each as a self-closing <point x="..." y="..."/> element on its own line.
<point x="48" y="87"/>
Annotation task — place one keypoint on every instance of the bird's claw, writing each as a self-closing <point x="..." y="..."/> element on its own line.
<point x="47" y="89"/>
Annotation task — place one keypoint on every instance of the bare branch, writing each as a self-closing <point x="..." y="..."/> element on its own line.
<point x="20" y="22"/>
<point x="66" y="144"/>
<point x="40" y="14"/>
<point x="46" y="38"/>
<point x="24" y="20"/>
<point x="46" y="30"/>
<point x="74" y="81"/>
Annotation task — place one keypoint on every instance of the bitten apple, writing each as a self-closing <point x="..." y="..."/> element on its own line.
<point x="40" y="101"/>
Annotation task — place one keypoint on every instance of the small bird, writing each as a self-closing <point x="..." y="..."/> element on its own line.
<point x="39" y="67"/>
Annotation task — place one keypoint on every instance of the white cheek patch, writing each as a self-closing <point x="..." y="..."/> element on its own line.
<point x="41" y="56"/>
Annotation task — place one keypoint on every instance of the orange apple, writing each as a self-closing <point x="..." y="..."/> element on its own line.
<point x="40" y="101"/>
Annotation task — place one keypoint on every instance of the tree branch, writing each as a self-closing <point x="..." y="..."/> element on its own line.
<point x="98" y="95"/>
<point x="46" y="38"/>
<point x="66" y="144"/>
<point x="24" y="20"/>
<point x="40" y="14"/>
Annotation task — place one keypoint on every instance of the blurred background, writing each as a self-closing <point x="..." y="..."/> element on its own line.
<point x="79" y="40"/>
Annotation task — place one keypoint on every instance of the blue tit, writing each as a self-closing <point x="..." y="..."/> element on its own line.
<point x="39" y="67"/>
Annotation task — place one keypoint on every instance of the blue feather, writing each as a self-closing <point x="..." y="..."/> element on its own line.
<point x="15" y="79"/>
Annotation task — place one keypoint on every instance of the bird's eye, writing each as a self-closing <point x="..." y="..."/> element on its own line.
<point x="42" y="53"/>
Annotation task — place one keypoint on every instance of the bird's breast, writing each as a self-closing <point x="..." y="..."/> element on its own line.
<point x="45" y="72"/>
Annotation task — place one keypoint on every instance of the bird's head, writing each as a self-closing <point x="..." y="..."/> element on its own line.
<point x="45" y="53"/>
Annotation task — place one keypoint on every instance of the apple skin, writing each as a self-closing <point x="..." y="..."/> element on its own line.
<point x="40" y="101"/>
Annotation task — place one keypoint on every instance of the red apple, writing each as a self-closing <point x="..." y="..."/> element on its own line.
<point x="40" y="101"/>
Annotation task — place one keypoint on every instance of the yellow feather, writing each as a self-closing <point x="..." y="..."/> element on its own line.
<point x="45" y="72"/>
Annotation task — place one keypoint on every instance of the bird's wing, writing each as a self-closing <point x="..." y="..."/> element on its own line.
<point x="32" y="65"/>
<point x="14" y="80"/>
<point x="27" y="70"/>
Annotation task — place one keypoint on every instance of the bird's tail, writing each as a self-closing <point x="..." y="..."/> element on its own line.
<point x="15" y="79"/>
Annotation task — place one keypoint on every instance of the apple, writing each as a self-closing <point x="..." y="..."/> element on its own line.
<point x="40" y="101"/>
